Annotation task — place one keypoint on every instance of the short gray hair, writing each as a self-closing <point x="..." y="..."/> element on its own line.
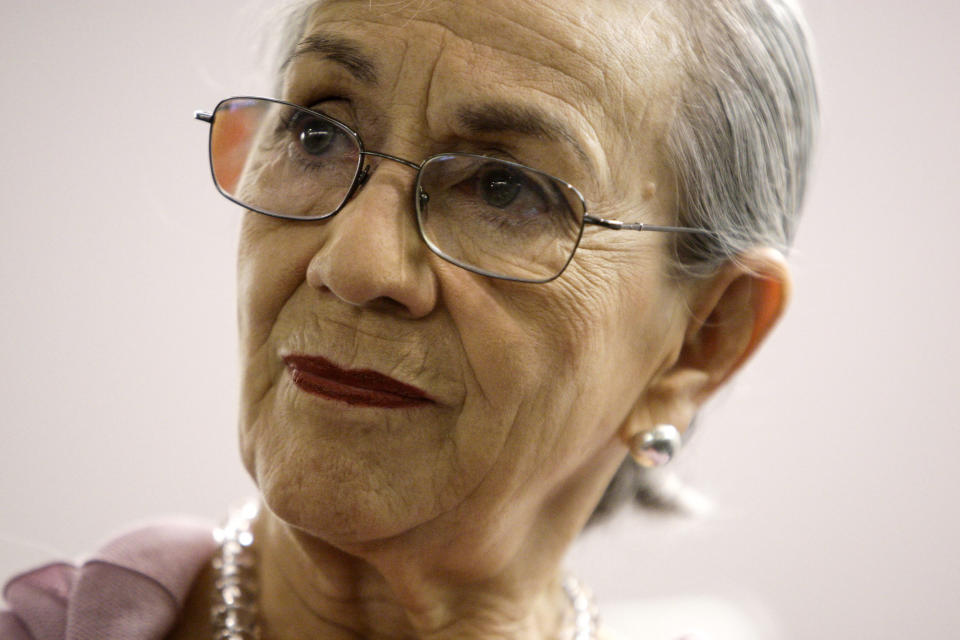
<point x="292" y="21"/>
<point x="746" y="116"/>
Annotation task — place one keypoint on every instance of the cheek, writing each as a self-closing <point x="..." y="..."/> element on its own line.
<point x="271" y="265"/>
<point x="607" y="322"/>
<point x="508" y="337"/>
<point x="558" y="368"/>
<point x="540" y="353"/>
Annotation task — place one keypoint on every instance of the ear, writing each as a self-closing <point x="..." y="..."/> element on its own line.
<point x="730" y="315"/>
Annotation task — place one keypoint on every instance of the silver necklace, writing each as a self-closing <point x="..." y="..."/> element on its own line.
<point x="234" y="612"/>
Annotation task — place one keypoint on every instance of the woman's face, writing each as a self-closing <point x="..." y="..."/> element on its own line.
<point x="524" y="385"/>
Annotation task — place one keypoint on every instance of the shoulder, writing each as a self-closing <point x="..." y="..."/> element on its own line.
<point x="686" y="618"/>
<point x="133" y="587"/>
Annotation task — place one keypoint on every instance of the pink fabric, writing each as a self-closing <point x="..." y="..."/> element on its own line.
<point x="132" y="589"/>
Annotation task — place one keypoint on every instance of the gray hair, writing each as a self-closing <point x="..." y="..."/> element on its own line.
<point x="290" y="23"/>
<point x="744" y="126"/>
<point x="739" y="144"/>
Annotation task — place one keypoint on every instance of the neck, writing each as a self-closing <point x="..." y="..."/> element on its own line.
<point x="312" y="589"/>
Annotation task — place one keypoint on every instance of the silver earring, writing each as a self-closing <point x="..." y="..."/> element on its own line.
<point x="656" y="447"/>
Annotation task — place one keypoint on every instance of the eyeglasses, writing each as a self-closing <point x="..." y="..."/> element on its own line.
<point x="491" y="216"/>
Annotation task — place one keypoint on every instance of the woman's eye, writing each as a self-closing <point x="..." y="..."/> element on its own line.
<point x="316" y="136"/>
<point x="499" y="187"/>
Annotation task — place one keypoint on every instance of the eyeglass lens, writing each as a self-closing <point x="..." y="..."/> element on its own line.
<point x="488" y="215"/>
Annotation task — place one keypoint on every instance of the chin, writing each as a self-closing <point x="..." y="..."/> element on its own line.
<point x="345" y="491"/>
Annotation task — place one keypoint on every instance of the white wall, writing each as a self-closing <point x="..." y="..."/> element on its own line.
<point x="831" y="458"/>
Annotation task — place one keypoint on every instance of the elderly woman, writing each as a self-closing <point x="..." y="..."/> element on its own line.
<point x="495" y="257"/>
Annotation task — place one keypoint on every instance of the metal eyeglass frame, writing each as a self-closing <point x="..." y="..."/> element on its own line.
<point x="421" y="198"/>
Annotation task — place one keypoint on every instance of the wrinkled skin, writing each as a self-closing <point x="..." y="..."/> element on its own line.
<point x="530" y="379"/>
<point x="450" y="520"/>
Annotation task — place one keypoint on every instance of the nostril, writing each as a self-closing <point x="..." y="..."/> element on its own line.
<point x="386" y="304"/>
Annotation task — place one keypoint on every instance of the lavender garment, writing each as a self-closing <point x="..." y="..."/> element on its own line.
<point x="132" y="589"/>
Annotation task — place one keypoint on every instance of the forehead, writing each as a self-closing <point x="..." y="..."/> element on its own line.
<point x="597" y="44"/>
<point x="597" y="63"/>
<point x="524" y="30"/>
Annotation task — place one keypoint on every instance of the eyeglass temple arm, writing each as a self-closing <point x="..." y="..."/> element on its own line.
<point x="641" y="226"/>
<point x="206" y="116"/>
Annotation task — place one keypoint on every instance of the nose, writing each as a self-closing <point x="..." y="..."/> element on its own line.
<point x="372" y="254"/>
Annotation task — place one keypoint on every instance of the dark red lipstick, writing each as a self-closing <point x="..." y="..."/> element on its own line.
<point x="363" y="387"/>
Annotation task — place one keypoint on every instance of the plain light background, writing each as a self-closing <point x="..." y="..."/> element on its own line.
<point x="831" y="459"/>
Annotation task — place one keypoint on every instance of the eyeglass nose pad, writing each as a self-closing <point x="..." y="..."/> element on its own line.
<point x="364" y="174"/>
<point x="423" y="196"/>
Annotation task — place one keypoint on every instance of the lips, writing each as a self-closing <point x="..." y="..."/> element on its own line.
<point x="360" y="387"/>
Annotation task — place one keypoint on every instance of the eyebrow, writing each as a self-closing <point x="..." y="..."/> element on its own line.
<point x="526" y="120"/>
<point x="338" y="49"/>
<point x="478" y="119"/>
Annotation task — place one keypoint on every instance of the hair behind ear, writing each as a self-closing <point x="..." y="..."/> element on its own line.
<point x="642" y="486"/>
